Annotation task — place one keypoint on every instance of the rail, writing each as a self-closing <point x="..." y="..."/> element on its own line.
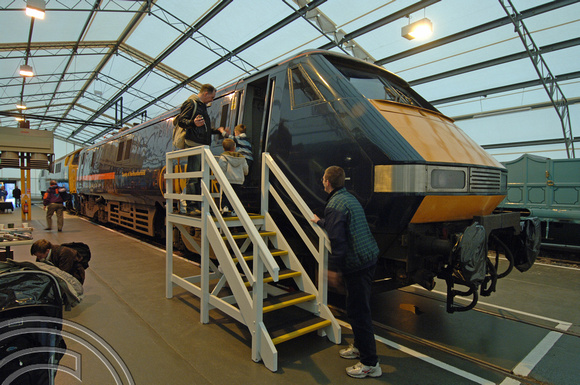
<point x="210" y="209"/>
<point x="319" y="252"/>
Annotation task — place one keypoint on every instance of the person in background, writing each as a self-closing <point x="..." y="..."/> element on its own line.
<point x="16" y="194"/>
<point x="53" y="201"/>
<point x="354" y="257"/>
<point x="198" y="133"/>
<point x="243" y="145"/>
<point x="3" y="193"/>
<point x="62" y="257"/>
<point x="234" y="165"/>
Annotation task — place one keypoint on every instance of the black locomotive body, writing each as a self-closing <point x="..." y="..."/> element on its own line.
<point x="421" y="180"/>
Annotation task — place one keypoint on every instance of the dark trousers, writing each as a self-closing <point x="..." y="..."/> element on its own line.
<point x="226" y="202"/>
<point x="358" y="309"/>
<point x="193" y="184"/>
<point x="247" y="181"/>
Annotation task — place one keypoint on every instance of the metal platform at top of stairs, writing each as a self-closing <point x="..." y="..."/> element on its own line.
<point x="240" y="269"/>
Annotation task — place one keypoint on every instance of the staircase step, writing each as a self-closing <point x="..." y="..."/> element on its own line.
<point x="289" y="299"/>
<point x="252" y="217"/>
<point x="289" y="323"/>
<point x="245" y="235"/>
<point x="249" y="255"/>
<point x="283" y="274"/>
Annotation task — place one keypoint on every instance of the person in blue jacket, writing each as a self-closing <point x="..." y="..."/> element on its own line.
<point x="3" y="193"/>
<point x="353" y="258"/>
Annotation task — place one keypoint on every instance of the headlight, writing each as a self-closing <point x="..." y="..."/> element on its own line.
<point x="420" y="178"/>
<point x="447" y="179"/>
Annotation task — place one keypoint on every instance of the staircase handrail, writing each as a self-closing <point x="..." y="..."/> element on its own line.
<point x="300" y="204"/>
<point x="209" y="159"/>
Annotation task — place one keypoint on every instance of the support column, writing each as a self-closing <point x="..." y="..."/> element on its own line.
<point x="25" y="202"/>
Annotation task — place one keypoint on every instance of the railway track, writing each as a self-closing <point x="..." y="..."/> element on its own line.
<point x="390" y="332"/>
<point x="455" y="353"/>
<point x="497" y="315"/>
<point x="552" y="257"/>
<point x="393" y="333"/>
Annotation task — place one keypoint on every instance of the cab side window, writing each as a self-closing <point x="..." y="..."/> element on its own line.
<point x="302" y="90"/>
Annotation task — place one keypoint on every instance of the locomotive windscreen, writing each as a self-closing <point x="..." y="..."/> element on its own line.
<point x="376" y="83"/>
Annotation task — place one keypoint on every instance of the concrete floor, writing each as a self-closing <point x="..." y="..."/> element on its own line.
<point x="126" y="331"/>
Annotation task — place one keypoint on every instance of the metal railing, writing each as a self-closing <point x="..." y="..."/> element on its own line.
<point x="216" y="235"/>
<point x="320" y="251"/>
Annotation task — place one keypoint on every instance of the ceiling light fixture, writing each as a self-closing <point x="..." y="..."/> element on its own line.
<point x="19" y="118"/>
<point x="21" y="106"/>
<point x="35" y="8"/>
<point x="418" y="30"/>
<point x="26" y="70"/>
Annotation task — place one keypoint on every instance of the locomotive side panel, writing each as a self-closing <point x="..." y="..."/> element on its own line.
<point x="127" y="167"/>
<point x="121" y="180"/>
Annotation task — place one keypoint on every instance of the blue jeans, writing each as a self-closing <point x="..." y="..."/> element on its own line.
<point x="358" y="309"/>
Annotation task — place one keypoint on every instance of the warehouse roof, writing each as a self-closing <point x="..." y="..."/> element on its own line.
<point x="100" y="65"/>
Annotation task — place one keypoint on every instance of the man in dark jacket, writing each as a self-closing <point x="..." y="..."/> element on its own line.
<point x="62" y="257"/>
<point x="354" y="257"/>
<point x="16" y="194"/>
<point x="53" y="201"/>
<point x="196" y="121"/>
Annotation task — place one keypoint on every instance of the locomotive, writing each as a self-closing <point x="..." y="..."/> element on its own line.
<point x="428" y="190"/>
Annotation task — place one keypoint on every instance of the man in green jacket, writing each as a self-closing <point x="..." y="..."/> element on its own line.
<point x="354" y="257"/>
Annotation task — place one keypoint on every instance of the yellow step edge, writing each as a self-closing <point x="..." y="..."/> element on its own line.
<point x="291" y="302"/>
<point x="246" y="258"/>
<point x="281" y="276"/>
<point x="275" y="253"/>
<point x="252" y="217"/>
<point x="244" y="236"/>
<point x="298" y="333"/>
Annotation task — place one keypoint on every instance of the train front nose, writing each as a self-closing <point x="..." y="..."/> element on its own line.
<point x="448" y="193"/>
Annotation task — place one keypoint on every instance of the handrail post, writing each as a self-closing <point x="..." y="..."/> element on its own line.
<point x="322" y="272"/>
<point x="257" y="304"/>
<point x="168" y="233"/>
<point x="265" y="184"/>
<point x="204" y="301"/>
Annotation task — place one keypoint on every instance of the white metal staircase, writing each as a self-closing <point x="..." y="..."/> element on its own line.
<point x="238" y="268"/>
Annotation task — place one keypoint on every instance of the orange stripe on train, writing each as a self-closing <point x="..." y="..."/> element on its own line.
<point x="105" y="176"/>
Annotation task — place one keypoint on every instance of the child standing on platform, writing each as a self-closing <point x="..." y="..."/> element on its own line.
<point x="235" y="166"/>
<point x="243" y="145"/>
